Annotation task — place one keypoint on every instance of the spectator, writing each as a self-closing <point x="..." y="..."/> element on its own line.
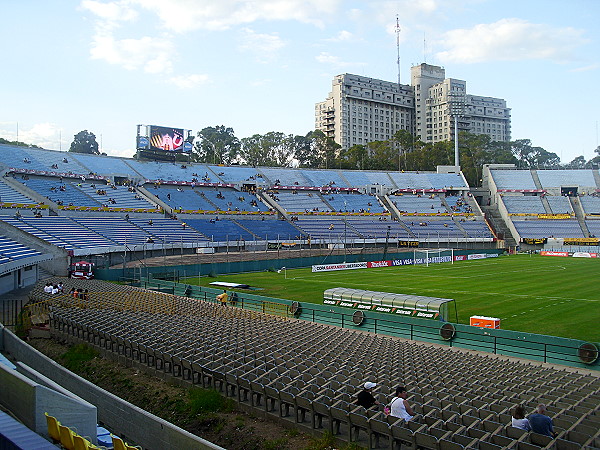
<point x="222" y="298"/>
<point x="365" y="397"/>
<point x="399" y="406"/>
<point x="54" y="289"/>
<point x="540" y="422"/>
<point x="519" y="420"/>
<point x="61" y="287"/>
<point x="48" y="288"/>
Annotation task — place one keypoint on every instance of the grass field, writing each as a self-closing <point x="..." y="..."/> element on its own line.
<point x="536" y="294"/>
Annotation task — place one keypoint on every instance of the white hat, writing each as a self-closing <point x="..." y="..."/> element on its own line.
<point x="370" y="385"/>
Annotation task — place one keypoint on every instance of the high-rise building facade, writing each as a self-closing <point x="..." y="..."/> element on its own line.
<point x="361" y="110"/>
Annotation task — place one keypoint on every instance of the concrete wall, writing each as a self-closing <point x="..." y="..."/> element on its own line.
<point x="121" y="417"/>
<point x="29" y="400"/>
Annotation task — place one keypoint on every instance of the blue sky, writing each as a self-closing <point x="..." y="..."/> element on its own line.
<point x="260" y="66"/>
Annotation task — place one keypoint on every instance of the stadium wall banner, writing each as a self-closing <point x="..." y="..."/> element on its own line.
<point x="584" y="255"/>
<point x="551" y="253"/>
<point x="580" y="241"/>
<point x="554" y="216"/>
<point x="534" y="241"/>
<point x="408" y="243"/>
<point x="374" y="264"/>
<point x="343" y="266"/>
<point x="401" y="262"/>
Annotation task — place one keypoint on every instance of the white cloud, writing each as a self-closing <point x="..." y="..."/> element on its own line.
<point x="153" y="55"/>
<point x="342" y="36"/>
<point x="510" y="40"/>
<point x="586" y="68"/>
<point x="188" y="81"/>
<point x="335" y="61"/>
<point x="265" y="46"/>
<point x="44" y="134"/>
<point x="186" y="15"/>
<point x="119" y="11"/>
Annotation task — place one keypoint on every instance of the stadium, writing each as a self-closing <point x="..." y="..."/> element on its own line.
<point x="334" y="277"/>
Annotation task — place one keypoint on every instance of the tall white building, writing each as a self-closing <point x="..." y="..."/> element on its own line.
<point x="361" y="110"/>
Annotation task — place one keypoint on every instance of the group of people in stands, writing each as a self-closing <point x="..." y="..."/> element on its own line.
<point x="537" y="422"/>
<point x="53" y="289"/>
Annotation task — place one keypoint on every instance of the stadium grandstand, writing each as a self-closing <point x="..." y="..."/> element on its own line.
<point x="107" y="209"/>
<point x="544" y="209"/>
<point x="274" y="358"/>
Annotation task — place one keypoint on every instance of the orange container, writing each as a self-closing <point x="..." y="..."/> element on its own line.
<point x="485" y="322"/>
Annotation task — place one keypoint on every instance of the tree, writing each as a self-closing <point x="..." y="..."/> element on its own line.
<point x="577" y="163"/>
<point x="532" y="157"/>
<point x="84" y="142"/>
<point x="322" y="153"/>
<point x="217" y="145"/>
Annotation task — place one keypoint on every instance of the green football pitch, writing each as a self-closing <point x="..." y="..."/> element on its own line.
<point x="537" y="294"/>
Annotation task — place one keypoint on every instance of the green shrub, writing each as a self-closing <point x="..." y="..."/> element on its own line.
<point x="77" y="355"/>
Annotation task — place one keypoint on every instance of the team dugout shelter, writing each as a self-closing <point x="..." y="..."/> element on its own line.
<point x="400" y="304"/>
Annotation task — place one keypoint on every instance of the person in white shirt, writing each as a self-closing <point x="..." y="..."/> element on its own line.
<point x="399" y="406"/>
<point x="519" y="420"/>
<point x="48" y="288"/>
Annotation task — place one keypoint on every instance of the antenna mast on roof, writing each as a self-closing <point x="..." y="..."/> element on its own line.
<point x="398" y="45"/>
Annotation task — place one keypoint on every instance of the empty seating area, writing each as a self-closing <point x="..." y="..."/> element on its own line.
<point x="426" y="229"/>
<point x="590" y="204"/>
<point x="476" y="229"/>
<point x="116" y="229"/>
<point x="526" y="204"/>
<point x="153" y="171"/>
<point x="220" y="230"/>
<point x="297" y="371"/>
<point x="17" y="223"/>
<point x="300" y="201"/>
<point x="55" y="161"/>
<point x="412" y="180"/>
<point x="365" y="178"/>
<point x="321" y="178"/>
<point x="113" y="196"/>
<point x="63" y="192"/>
<point x="559" y="204"/>
<point x="354" y="202"/>
<point x="169" y="231"/>
<point x="513" y="180"/>
<point x="446" y="181"/>
<point x="284" y="177"/>
<point x="330" y="228"/>
<point x="9" y="195"/>
<point x="11" y="250"/>
<point x="237" y="174"/>
<point x="378" y="229"/>
<point x="228" y="199"/>
<point x="69" y="231"/>
<point x="593" y="227"/>
<point x="418" y="204"/>
<point x="538" y="229"/>
<point x="183" y="198"/>
<point x="101" y="164"/>
<point x="566" y="177"/>
<point x="271" y="229"/>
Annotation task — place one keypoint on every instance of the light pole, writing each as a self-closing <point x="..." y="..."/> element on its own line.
<point x="457" y="110"/>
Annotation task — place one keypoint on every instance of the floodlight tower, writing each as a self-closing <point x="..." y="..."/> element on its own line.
<point x="398" y="45"/>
